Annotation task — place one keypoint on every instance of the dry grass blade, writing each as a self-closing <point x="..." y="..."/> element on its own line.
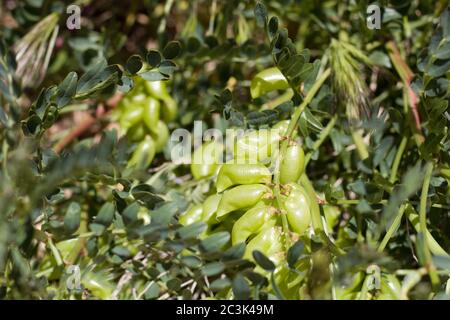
<point x="34" y="50"/>
<point x="347" y="78"/>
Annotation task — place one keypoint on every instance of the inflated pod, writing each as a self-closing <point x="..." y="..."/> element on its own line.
<point x="445" y="172"/>
<point x="193" y="214"/>
<point x="390" y="288"/>
<point x="65" y="247"/>
<point x="231" y="174"/>
<point x="268" y="241"/>
<point x="99" y="284"/>
<point x="162" y="136"/>
<point x="251" y="222"/>
<point x="150" y="114"/>
<point x="282" y="126"/>
<point x="293" y="164"/>
<point x="158" y="90"/>
<point x="267" y="80"/>
<point x="210" y="208"/>
<point x="256" y="146"/>
<point x="206" y="159"/>
<point x="143" y="155"/>
<point x="131" y="116"/>
<point x="331" y="214"/>
<point x="169" y="109"/>
<point x="242" y="197"/>
<point x="137" y="132"/>
<point x="297" y="206"/>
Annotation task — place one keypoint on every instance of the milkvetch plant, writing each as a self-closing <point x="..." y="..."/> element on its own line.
<point x="321" y="172"/>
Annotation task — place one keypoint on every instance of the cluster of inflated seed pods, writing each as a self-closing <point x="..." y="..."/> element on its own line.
<point x="143" y="115"/>
<point x="244" y="202"/>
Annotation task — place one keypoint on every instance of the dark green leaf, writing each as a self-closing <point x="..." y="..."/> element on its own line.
<point x="125" y="84"/>
<point x="263" y="261"/>
<point x="152" y="291"/>
<point x="380" y="58"/>
<point x="97" y="79"/>
<point x="193" y="45"/>
<point x="121" y="251"/>
<point x="241" y="289"/>
<point x="174" y="284"/>
<point x="235" y="252"/>
<point x="192" y="230"/>
<point x="172" y="50"/>
<point x="220" y="284"/>
<point x="261" y="14"/>
<point x="67" y="89"/>
<point x="273" y="26"/>
<point x="153" y="58"/>
<point x="153" y="76"/>
<point x="167" y="67"/>
<point x="294" y="253"/>
<point x="134" y="64"/>
<point x="191" y="261"/>
<point x="213" y="268"/>
<point x="215" y="242"/>
<point x="130" y="214"/>
<point x="106" y="214"/>
<point x="445" y="22"/>
<point x="72" y="217"/>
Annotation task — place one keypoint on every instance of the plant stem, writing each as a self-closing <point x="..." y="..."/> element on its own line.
<point x="360" y="144"/>
<point x="298" y="112"/>
<point x="398" y="158"/>
<point x="289" y="134"/>
<point x="286" y="96"/>
<point x="423" y="224"/>
<point x="323" y="135"/>
<point x="423" y="197"/>
<point x="434" y="246"/>
<point x="392" y="229"/>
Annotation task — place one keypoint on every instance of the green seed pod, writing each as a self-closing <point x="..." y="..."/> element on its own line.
<point x="65" y="247"/>
<point x="242" y="197"/>
<point x="131" y="116"/>
<point x="445" y="172"/>
<point x="297" y="207"/>
<point x="150" y="114"/>
<point x="293" y="164"/>
<point x="268" y="241"/>
<point x="234" y="174"/>
<point x="210" y="207"/>
<point x="251" y="222"/>
<point x="267" y="80"/>
<point x="157" y="89"/>
<point x="206" y="159"/>
<point x="193" y="214"/>
<point x="161" y="137"/>
<point x="143" y="155"/>
<point x="138" y="98"/>
<point x="282" y="126"/>
<point x="391" y="288"/>
<point x="137" y="132"/>
<point x="169" y="109"/>
<point x="331" y="214"/>
<point x="256" y="146"/>
<point x="99" y="284"/>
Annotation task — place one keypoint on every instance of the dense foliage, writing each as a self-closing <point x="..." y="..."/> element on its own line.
<point x="354" y="204"/>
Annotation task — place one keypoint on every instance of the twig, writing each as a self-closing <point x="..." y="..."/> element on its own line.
<point x="406" y="75"/>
